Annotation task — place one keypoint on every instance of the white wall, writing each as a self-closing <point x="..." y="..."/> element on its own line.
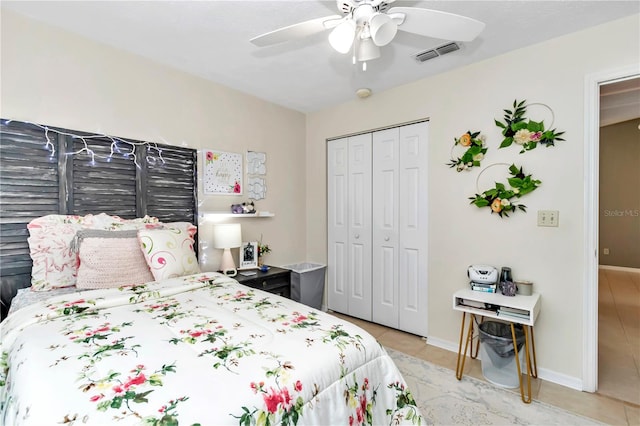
<point x="460" y="234"/>
<point x="52" y="77"/>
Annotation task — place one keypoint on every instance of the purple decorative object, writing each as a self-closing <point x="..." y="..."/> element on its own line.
<point x="237" y="208"/>
<point x="509" y="288"/>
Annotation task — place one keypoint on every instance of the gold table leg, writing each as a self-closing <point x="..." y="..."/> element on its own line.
<point x="461" y="356"/>
<point x="525" y="398"/>
<point x="534" y="372"/>
<point x="474" y="354"/>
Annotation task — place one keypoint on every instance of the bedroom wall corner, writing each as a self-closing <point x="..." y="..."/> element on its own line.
<point x="54" y="77"/>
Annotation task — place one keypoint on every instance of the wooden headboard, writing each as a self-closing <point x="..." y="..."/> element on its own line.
<point x="48" y="170"/>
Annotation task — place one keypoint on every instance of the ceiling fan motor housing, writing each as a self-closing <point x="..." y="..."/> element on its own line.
<point x="348" y="6"/>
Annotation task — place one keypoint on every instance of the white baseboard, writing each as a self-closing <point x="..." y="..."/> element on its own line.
<point x="620" y="268"/>
<point x="443" y="344"/>
<point x="560" y="379"/>
<point x="543" y="373"/>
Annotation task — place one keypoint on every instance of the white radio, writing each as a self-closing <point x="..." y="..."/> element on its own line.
<point x="483" y="274"/>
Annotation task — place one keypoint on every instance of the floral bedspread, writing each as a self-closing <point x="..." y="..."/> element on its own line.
<point x="196" y="350"/>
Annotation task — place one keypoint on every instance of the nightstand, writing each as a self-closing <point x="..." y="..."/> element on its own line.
<point x="275" y="280"/>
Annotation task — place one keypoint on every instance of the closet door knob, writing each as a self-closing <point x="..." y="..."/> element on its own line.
<point x="386" y="238"/>
<point x="357" y="236"/>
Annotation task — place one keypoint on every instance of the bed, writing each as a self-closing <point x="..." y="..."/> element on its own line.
<point x="125" y="329"/>
<point x="199" y="349"/>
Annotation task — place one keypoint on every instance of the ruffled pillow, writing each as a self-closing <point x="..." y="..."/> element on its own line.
<point x="110" y="259"/>
<point x="169" y="251"/>
<point x="54" y="263"/>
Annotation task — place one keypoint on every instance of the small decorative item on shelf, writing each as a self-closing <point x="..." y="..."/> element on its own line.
<point x="476" y="149"/>
<point x="526" y="133"/>
<point x="499" y="198"/>
<point x="244" y="208"/>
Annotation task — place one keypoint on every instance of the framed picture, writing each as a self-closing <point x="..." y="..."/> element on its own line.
<point x="256" y="188"/>
<point x="222" y="173"/>
<point x="249" y="255"/>
<point x="256" y="163"/>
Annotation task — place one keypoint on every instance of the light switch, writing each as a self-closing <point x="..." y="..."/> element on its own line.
<point x="548" y="217"/>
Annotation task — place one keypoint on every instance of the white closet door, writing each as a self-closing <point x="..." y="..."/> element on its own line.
<point x="337" y="225"/>
<point x="413" y="229"/>
<point x="385" y="226"/>
<point x="349" y="226"/>
<point x="359" y="227"/>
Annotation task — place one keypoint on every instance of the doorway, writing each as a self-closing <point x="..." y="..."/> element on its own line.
<point x="593" y="85"/>
<point x="619" y="233"/>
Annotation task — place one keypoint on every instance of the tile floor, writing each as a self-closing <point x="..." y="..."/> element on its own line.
<point x="619" y="331"/>
<point x="619" y="335"/>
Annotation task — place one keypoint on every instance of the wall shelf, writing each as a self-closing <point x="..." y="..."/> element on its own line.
<point x="223" y="214"/>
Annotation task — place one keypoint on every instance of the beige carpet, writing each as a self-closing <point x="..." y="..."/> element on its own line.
<point x="443" y="400"/>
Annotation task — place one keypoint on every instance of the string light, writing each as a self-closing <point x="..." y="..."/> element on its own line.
<point x="118" y="146"/>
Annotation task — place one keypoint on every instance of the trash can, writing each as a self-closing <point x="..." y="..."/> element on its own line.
<point x="307" y="283"/>
<point x="497" y="355"/>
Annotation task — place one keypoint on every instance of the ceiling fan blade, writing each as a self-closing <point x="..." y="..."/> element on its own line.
<point x="437" y="24"/>
<point x="299" y="30"/>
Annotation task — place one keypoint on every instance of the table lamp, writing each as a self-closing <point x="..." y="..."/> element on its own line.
<point x="227" y="236"/>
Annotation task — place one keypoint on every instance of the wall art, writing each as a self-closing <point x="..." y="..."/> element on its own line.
<point x="524" y="132"/>
<point x="256" y="188"/>
<point x="256" y="172"/>
<point x="256" y="163"/>
<point x="499" y="199"/>
<point x="476" y="148"/>
<point x="222" y="173"/>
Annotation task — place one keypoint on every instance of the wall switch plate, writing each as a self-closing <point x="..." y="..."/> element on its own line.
<point x="548" y="217"/>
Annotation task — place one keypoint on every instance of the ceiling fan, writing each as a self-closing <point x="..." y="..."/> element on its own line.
<point x="367" y="25"/>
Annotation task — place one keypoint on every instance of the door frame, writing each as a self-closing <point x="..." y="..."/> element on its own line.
<point x="591" y="210"/>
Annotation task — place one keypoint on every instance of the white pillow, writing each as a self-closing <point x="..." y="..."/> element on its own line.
<point x="169" y="251"/>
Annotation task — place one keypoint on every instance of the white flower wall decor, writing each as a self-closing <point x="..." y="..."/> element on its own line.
<point x="256" y="172"/>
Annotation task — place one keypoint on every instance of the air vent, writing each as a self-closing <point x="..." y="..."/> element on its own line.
<point x="438" y="51"/>
<point x="426" y="55"/>
<point x="447" y="48"/>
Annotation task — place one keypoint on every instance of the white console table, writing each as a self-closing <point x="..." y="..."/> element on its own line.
<point x="470" y="302"/>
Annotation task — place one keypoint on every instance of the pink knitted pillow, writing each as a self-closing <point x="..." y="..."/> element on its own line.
<point x="110" y="259"/>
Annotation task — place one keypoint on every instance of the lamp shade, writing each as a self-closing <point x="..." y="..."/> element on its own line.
<point x="383" y="29"/>
<point x="367" y="50"/>
<point x="341" y="37"/>
<point x="228" y="235"/>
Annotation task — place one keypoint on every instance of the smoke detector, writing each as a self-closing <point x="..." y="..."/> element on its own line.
<point x="363" y="93"/>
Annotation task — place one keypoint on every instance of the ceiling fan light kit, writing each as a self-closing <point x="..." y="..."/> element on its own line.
<point x="368" y="25"/>
<point x="383" y="29"/>
<point x="367" y="50"/>
<point x="342" y="36"/>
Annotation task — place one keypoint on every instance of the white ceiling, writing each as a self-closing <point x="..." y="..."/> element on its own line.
<point x="210" y="39"/>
